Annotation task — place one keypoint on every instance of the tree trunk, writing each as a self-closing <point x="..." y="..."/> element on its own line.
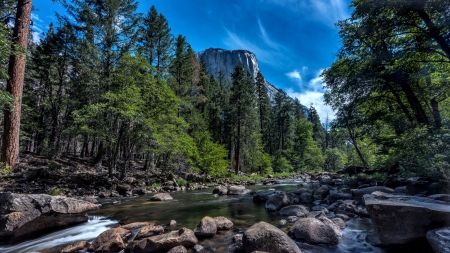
<point x="436" y="113"/>
<point x="16" y="71"/>
<point x="238" y="149"/>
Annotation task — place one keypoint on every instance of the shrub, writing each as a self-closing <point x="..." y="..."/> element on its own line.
<point x="5" y="169"/>
<point x="156" y="185"/>
<point x="55" y="192"/>
<point x="181" y="182"/>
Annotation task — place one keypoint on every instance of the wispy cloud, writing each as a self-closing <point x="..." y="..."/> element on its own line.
<point x="267" y="51"/>
<point x="36" y="28"/>
<point x="327" y="11"/>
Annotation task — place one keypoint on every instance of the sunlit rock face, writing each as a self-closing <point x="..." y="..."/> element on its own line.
<point x="217" y="59"/>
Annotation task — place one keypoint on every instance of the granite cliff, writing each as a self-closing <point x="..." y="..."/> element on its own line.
<point x="217" y="59"/>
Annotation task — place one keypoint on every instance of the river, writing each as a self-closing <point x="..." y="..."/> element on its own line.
<point x="188" y="208"/>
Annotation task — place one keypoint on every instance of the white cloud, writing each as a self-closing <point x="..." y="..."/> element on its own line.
<point x="267" y="40"/>
<point x="294" y="75"/>
<point x="314" y="98"/>
<point x="313" y="95"/>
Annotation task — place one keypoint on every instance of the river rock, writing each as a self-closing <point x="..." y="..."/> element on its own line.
<point x="149" y="230"/>
<point x="163" y="243"/>
<point x="314" y="231"/>
<point x="306" y="198"/>
<point x="238" y="190"/>
<point x="115" y="244"/>
<point x="439" y="240"/>
<point x="109" y="237"/>
<point x="401" y="219"/>
<point x="331" y="224"/>
<point x="323" y="191"/>
<point x="280" y="200"/>
<point x="266" y="237"/>
<point x="161" y="197"/>
<point x="172" y="223"/>
<point x="359" y="193"/>
<point x="335" y="196"/>
<point x="178" y="249"/>
<point x="339" y="222"/>
<point x="25" y="215"/>
<point x="135" y="225"/>
<point x="223" y="223"/>
<point x="206" y="228"/>
<point x="262" y="196"/>
<point x="294" y="210"/>
<point x="75" y="247"/>
<point x="220" y="190"/>
<point x="347" y="208"/>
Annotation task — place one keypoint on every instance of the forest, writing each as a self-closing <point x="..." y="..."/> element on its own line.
<point x="113" y="85"/>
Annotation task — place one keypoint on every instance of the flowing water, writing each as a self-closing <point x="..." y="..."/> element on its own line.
<point x="188" y="208"/>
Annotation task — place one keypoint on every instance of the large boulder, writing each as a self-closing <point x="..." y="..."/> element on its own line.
<point x="206" y="228"/>
<point x="238" y="190"/>
<point x="25" y="215"/>
<point x="314" y="231"/>
<point x="439" y="240"/>
<point x="163" y="243"/>
<point x="401" y="219"/>
<point x="359" y="193"/>
<point x="265" y="237"/>
<point x="294" y="210"/>
<point x="223" y="223"/>
<point x="115" y="244"/>
<point x="161" y="197"/>
<point x="280" y="200"/>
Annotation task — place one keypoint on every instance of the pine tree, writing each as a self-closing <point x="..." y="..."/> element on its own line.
<point x="156" y="41"/>
<point x="264" y="110"/>
<point x="319" y="133"/>
<point x="14" y="86"/>
<point x="242" y="115"/>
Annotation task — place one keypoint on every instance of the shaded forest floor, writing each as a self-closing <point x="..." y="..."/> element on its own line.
<point x="74" y="176"/>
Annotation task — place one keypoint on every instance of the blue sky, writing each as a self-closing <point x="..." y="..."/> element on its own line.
<point x="293" y="39"/>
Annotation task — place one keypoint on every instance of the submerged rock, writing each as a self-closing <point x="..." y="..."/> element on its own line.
<point x="238" y="190"/>
<point x="25" y="215"/>
<point x="220" y="190"/>
<point x="294" y="210"/>
<point x="265" y="237"/>
<point x="161" y="197"/>
<point x="402" y="219"/>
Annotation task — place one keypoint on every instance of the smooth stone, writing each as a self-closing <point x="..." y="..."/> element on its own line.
<point x="263" y="236"/>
